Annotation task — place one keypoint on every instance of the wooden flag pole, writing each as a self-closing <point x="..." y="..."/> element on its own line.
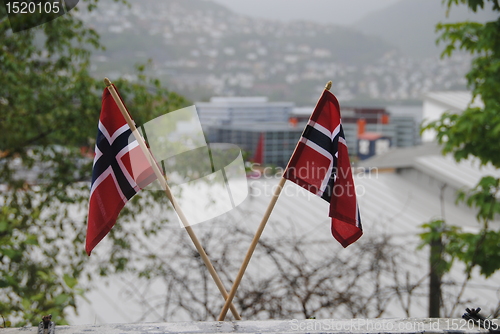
<point x="170" y="196"/>
<point x="251" y="249"/>
<point x="256" y="239"/>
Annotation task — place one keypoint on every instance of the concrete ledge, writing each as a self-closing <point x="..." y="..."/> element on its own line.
<point x="424" y="325"/>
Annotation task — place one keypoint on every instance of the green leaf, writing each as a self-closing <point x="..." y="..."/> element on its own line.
<point x="70" y="281"/>
<point x="61" y="299"/>
<point x="3" y="225"/>
<point x="26" y="304"/>
<point x="32" y="240"/>
<point x="10" y="253"/>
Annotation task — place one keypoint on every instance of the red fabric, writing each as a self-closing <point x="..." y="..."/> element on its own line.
<point x="309" y="167"/>
<point x="258" y="156"/>
<point x="104" y="206"/>
<point x="119" y="172"/>
<point x="343" y="206"/>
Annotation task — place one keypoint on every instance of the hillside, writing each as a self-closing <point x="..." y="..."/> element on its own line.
<point x="201" y="49"/>
<point x="189" y="27"/>
<point x="319" y="11"/>
<point x="410" y="24"/>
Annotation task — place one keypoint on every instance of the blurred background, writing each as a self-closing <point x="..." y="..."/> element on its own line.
<point x="254" y="70"/>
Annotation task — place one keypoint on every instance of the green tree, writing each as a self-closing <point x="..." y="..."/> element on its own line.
<point x="49" y="107"/>
<point x="475" y="133"/>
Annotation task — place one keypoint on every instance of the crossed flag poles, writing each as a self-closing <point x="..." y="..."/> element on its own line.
<point x="169" y="194"/>
<point x="321" y="152"/>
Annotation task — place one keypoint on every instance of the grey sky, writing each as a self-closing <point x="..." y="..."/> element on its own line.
<point x="342" y="12"/>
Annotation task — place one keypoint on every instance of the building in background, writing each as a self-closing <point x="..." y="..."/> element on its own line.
<point x="267" y="143"/>
<point x="237" y="110"/>
<point x="268" y="131"/>
<point x="437" y="103"/>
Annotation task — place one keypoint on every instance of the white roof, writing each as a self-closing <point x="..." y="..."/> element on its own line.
<point x="427" y="158"/>
<point x="463" y="174"/>
<point x="388" y="204"/>
<point x="456" y="100"/>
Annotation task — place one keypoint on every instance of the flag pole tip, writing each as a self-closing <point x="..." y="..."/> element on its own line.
<point x="107" y="82"/>
<point x="328" y="85"/>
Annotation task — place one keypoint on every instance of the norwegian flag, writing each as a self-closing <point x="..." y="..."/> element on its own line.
<point x="321" y="165"/>
<point x="120" y="171"/>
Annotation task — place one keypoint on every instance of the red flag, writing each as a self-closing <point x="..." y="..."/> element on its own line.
<point x="321" y="165"/>
<point x="120" y="170"/>
<point x="258" y="156"/>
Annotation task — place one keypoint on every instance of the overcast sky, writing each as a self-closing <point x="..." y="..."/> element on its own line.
<point x="342" y="12"/>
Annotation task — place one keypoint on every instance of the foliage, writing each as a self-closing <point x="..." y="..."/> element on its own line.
<point x="49" y="107"/>
<point x="472" y="249"/>
<point x="437" y="230"/>
<point x="476" y="131"/>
